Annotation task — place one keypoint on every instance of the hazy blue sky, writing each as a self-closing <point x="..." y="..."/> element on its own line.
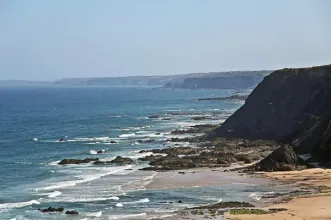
<point x="49" y="40"/>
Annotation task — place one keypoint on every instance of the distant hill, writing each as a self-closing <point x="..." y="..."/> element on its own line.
<point x="184" y="81"/>
<point x="222" y="80"/>
<point x="213" y="80"/>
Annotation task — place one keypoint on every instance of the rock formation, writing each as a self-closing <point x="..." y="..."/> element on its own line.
<point x="77" y="161"/>
<point x="291" y="106"/>
<point x="281" y="159"/>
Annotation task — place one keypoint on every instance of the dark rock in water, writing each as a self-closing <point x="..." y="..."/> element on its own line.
<point x="117" y="160"/>
<point x="292" y="106"/>
<point x="146" y="141"/>
<point x="77" y="161"/>
<point x="51" y="209"/>
<point x="100" y="151"/>
<point x="233" y="97"/>
<point x="181" y="172"/>
<point x="166" y="119"/>
<point x="113" y="142"/>
<point x="71" y="212"/>
<point x="122" y="160"/>
<point x="281" y="159"/>
<point x="62" y="140"/>
<point x="180" y="201"/>
<point x="154" y="116"/>
<point x="99" y="162"/>
<point x="197" y="118"/>
<point x="158" y="133"/>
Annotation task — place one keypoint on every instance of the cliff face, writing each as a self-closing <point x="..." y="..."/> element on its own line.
<point x="291" y="106"/>
<point x="220" y="82"/>
<point x="226" y="80"/>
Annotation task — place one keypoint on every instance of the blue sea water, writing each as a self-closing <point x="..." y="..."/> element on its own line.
<point x="32" y="120"/>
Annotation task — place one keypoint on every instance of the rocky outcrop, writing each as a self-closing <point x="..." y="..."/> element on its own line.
<point x="175" y="150"/>
<point x="77" y="161"/>
<point x="71" y="212"/>
<point x="281" y="159"/>
<point x="291" y="106"/>
<point x="233" y="97"/>
<point x="122" y="160"/>
<point x="216" y="154"/>
<point x="51" y="209"/>
<point x="118" y="160"/>
<point x="150" y="158"/>
<point x="229" y="80"/>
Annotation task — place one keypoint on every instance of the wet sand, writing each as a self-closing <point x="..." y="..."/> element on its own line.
<point x="199" y="177"/>
<point x="308" y="207"/>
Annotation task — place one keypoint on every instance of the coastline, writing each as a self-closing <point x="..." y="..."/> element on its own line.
<point x="312" y="205"/>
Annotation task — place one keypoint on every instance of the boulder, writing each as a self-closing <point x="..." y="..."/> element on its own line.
<point x="77" y="161"/>
<point x="281" y="159"/>
<point x="62" y="140"/>
<point x="113" y="142"/>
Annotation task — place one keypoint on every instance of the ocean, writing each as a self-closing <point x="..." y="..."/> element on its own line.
<point x="32" y="120"/>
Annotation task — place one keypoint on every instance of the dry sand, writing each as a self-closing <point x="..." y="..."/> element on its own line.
<point x="308" y="207"/>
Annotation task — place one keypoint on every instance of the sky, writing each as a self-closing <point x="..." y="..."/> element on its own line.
<point x="54" y="39"/>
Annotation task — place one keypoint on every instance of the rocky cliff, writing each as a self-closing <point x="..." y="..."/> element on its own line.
<point x="225" y="80"/>
<point x="292" y="106"/>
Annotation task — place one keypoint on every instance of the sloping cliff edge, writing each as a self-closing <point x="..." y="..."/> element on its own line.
<point x="292" y="106"/>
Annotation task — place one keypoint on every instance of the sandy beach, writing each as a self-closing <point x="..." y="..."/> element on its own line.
<point x="306" y="207"/>
<point x="199" y="177"/>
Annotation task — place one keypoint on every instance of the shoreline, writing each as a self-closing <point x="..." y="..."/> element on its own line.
<point x="312" y="204"/>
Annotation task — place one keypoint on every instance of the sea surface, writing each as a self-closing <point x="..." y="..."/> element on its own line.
<point x="32" y="120"/>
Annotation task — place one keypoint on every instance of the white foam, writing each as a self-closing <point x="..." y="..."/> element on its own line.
<point x="54" y="194"/>
<point x="18" y="204"/>
<point x="127" y="135"/>
<point x="35" y="139"/>
<point x="137" y="202"/>
<point x="126" y="216"/>
<point x="85" y="198"/>
<point x="255" y="196"/>
<point x="119" y="205"/>
<point x="86" y="178"/>
<point x="93" y="151"/>
<point x="96" y="152"/>
<point x="54" y="163"/>
<point x="94" y="214"/>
